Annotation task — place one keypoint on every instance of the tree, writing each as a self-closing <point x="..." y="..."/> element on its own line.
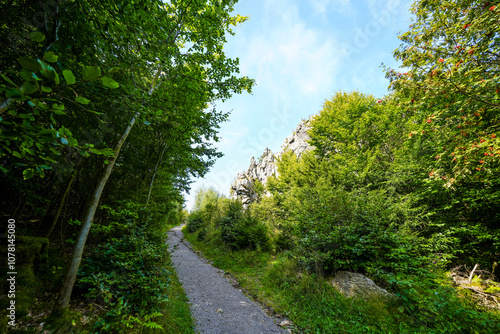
<point x="450" y="95"/>
<point x="192" y="51"/>
<point x="452" y="86"/>
<point x="168" y="69"/>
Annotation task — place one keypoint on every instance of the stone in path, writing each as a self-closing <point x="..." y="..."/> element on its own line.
<point x="216" y="305"/>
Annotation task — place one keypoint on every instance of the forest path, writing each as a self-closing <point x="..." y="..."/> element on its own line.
<point x="216" y="305"/>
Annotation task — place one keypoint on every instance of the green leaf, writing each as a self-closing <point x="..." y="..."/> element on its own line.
<point x="49" y="72"/>
<point x="114" y="70"/>
<point x="13" y="93"/>
<point x="29" y="64"/>
<point x="91" y="73"/>
<point x="69" y="77"/>
<point x="37" y="36"/>
<point x="8" y="80"/>
<point x="95" y="151"/>
<point x="27" y="75"/>
<point x="82" y="100"/>
<point x="46" y="89"/>
<point x="56" y="78"/>
<point x="29" y="88"/>
<point x="28" y="173"/>
<point x="110" y="83"/>
<point x="95" y="112"/>
<point x="30" y="151"/>
<point x="72" y="141"/>
<point x="17" y="154"/>
<point x="50" y="56"/>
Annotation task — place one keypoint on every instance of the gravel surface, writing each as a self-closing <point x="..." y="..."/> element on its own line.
<point x="217" y="306"/>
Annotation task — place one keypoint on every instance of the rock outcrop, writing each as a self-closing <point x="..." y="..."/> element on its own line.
<point x="358" y="286"/>
<point x="243" y="187"/>
<point x="298" y="141"/>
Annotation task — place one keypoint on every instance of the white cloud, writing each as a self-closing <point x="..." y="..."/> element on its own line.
<point x="291" y="54"/>
<point x="344" y="7"/>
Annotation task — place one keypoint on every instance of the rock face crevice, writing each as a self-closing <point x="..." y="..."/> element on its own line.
<point x="243" y="187"/>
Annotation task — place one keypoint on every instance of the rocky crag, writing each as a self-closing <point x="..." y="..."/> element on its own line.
<point x="243" y="187"/>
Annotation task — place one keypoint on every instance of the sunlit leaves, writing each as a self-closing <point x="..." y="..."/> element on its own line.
<point x="91" y="73"/>
<point x="82" y="100"/>
<point x="108" y="82"/>
<point x="69" y="77"/>
<point x="50" y="57"/>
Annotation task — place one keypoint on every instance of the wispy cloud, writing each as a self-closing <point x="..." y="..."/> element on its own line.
<point x="344" y="7"/>
<point x="290" y="53"/>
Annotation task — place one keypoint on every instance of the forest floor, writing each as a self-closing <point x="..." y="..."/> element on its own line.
<point x="216" y="303"/>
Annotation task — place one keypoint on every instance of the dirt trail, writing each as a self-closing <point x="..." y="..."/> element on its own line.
<point x="217" y="306"/>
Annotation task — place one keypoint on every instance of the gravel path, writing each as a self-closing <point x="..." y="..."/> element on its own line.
<point x="217" y="306"/>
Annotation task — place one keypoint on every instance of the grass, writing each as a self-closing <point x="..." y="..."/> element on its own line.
<point x="314" y="306"/>
<point x="176" y="314"/>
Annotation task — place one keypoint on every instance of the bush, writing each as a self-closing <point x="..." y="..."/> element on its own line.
<point x="202" y="234"/>
<point x="242" y="231"/>
<point x="353" y="231"/>
<point x="195" y="221"/>
<point x="126" y="272"/>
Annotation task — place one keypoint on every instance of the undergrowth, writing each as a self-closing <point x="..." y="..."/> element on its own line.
<point x="424" y="304"/>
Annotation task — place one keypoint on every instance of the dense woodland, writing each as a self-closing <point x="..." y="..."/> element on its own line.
<point x="107" y="111"/>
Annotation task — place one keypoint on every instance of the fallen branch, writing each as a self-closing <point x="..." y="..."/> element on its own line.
<point x="472" y="273"/>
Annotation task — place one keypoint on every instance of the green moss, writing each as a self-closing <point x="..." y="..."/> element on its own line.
<point x="31" y="258"/>
<point x="65" y="321"/>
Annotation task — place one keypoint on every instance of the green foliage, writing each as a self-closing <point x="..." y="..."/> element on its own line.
<point x="428" y="303"/>
<point x="126" y="270"/>
<point x="259" y="188"/>
<point x="450" y="95"/>
<point x="452" y="88"/>
<point x="225" y="220"/>
<point x="243" y="232"/>
<point x="195" y="221"/>
<point x="354" y="231"/>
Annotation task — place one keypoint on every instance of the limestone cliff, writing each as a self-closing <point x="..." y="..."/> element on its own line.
<point x="243" y="187"/>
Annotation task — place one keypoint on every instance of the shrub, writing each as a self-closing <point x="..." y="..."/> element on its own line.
<point x="202" y="234"/>
<point x="354" y="231"/>
<point x="126" y="272"/>
<point x="195" y="221"/>
<point x="243" y="231"/>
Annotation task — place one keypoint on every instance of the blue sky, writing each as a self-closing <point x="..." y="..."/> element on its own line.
<point x="300" y="52"/>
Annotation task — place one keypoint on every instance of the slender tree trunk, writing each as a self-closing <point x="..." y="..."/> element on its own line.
<point x="63" y="199"/>
<point x="64" y="295"/>
<point x="160" y="157"/>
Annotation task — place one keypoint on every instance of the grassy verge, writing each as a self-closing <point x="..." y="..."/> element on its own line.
<point x="176" y="315"/>
<point x="314" y="306"/>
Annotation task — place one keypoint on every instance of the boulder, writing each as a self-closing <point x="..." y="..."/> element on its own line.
<point x="358" y="286"/>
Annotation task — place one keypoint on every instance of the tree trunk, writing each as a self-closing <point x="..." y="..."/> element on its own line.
<point x="160" y="157"/>
<point x="63" y="199"/>
<point x="64" y="295"/>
